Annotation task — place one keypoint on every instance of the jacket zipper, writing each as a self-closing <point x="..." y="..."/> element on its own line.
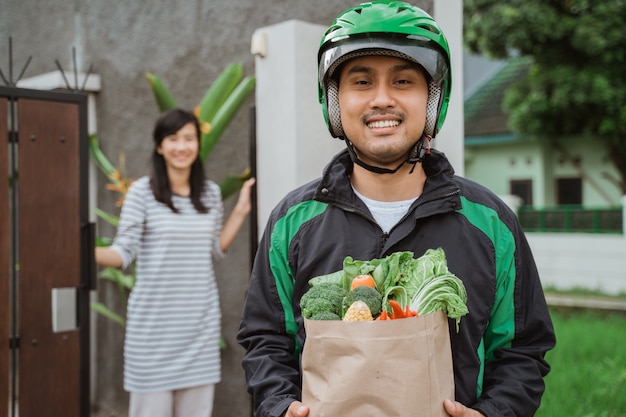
<point x="384" y="237"/>
<point x="419" y="203"/>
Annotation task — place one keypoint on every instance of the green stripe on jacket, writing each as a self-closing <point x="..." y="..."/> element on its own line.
<point x="285" y="229"/>
<point x="501" y="328"/>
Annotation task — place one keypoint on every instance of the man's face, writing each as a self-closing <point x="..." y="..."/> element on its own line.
<point x="382" y="102"/>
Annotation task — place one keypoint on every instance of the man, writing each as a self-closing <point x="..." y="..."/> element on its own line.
<point x="384" y="82"/>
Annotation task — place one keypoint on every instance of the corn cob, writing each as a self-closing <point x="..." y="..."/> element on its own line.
<point x="358" y="311"/>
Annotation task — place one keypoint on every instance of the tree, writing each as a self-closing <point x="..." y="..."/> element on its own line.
<point x="577" y="82"/>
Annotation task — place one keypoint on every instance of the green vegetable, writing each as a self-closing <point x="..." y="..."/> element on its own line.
<point x="423" y="284"/>
<point x="368" y="295"/>
<point x="323" y="298"/>
<point x="325" y="315"/>
<point x="441" y="293"/>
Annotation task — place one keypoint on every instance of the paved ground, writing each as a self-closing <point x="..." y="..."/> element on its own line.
<point x="586" y="302"/>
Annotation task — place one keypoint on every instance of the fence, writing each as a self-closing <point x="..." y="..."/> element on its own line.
<point x="572" y="219"/>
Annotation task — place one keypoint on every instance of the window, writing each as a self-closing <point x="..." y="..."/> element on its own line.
<point x="524" y="190"/>
<point x="569" y="191"/>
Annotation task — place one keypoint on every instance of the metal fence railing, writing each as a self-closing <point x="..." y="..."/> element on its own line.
<point x="572" y="219"/>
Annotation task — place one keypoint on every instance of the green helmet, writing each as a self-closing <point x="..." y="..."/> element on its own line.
<point x="389" y="28"/>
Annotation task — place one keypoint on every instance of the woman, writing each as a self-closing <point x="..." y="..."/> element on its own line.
<point x="171" y="223"/>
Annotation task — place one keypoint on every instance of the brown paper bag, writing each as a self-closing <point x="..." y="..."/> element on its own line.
<point x="391" y="368"/>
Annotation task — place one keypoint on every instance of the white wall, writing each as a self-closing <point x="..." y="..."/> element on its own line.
<point x="449" y="16"/>
<point x="590" y="261"/>
<point x="293" y="143"/>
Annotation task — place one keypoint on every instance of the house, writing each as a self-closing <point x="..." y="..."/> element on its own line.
<point x="573" y="215"/>
<point x="543" y="172"/>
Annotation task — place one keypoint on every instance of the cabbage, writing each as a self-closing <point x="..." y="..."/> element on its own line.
<point x="423" y="284"/>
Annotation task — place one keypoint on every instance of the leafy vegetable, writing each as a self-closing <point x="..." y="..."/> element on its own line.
<point x="441" y="293"/>
<point x="424" y="284"/>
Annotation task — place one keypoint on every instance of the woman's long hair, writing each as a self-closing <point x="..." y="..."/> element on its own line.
<point x="167" y="124"/>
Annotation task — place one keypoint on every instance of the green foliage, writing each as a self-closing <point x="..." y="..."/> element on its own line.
<point x="588" y="376"/>
<point x="577" y="85"/>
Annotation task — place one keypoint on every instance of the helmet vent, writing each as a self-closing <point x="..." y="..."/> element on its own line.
<point x="429" y="28"/>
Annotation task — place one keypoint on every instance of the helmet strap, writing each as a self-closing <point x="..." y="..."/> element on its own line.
<point x="416" y="155"/>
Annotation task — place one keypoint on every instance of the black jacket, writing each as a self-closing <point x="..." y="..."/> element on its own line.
<point x="498" y="354"/>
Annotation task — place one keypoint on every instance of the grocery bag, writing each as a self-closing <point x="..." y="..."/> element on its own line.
<point x="390" y="368"/>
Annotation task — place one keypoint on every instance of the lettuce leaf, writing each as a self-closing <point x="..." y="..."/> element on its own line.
<point x="423" y="284"/>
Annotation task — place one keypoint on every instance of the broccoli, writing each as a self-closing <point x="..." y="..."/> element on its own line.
<point x="325" y="315"/>
<point x="324" y="297"/>
<point x="368" y="295"/>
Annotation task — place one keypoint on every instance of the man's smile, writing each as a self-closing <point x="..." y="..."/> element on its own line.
<point x="377" y="124"/>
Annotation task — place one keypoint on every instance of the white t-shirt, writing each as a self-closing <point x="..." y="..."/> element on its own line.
<point x="386" y="213"/>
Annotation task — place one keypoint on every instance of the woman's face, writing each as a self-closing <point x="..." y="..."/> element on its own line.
<point x="180" y="150"/>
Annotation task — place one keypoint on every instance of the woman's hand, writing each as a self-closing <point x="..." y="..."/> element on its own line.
<point x="237" y="216"/>
<point x="244" y="202"/>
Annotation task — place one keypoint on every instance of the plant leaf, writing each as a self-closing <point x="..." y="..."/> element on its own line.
<point x="109" y="218"/>
<point x="225" y="114"/>
<point x="121" y="279"/>
<point x="99" y="157"/>
<point x="103" y="241"/>
<point x="163" y="97"/>
<point x="219" y="91"/>
<point x="231" y="184"/>
<point x="106" y="312"/>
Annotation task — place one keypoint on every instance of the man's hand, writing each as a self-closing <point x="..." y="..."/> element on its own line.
<point x="297" y="409"/>
<point x="456" y="409"/>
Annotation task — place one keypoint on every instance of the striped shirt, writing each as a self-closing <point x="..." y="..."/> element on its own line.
<point x="173" y="317"/>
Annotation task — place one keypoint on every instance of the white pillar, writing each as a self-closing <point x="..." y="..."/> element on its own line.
<point x="449" y="16"/>
<point x="293" y="143"/>
<point x="624" y="216"/>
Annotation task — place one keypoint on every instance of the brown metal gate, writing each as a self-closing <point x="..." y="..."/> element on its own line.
<point x="46" y="256"/>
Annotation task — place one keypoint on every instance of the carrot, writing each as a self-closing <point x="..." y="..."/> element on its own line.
<point x="363" y="280"/>
<point x="409" y="313"/>
<point x="383" y="315"/>
<point x="398" y="312"/>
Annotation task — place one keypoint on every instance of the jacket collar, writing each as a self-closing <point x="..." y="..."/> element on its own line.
<point x="335" y="187"/>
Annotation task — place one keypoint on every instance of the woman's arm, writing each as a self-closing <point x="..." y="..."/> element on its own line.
<point x="106" y="256"/>
<point x="238" y="215"/>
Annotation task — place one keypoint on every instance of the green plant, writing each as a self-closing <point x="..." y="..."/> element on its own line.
<point x="588" y="376"/>
<point x="215" y="111"/>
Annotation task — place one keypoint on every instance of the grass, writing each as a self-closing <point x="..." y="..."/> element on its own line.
<point x="588" y="376"/>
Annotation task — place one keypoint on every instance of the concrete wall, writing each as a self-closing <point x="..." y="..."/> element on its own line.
<point x="589" y="261"/>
